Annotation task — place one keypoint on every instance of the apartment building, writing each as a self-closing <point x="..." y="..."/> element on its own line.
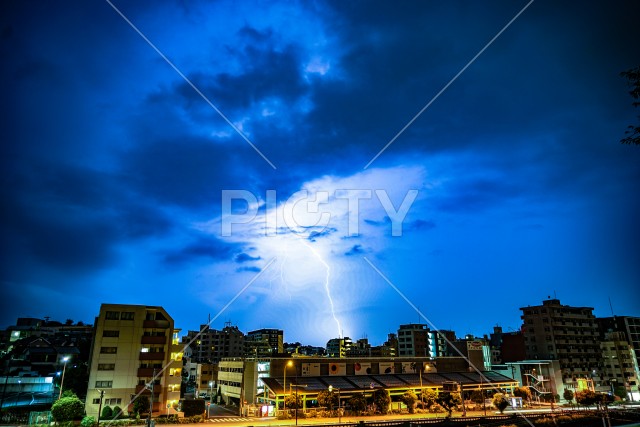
<point x="619" y="364"/>
<point x="211" y="345"/>
<point x="131" y="343"/>
<point x="628" y="325"/>
<point x="553" y="331"/>
<point x="264" y="343"/>
<point x="413" y="340"/>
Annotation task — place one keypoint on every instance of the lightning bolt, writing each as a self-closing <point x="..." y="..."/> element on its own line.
<point x="326" y="284"/>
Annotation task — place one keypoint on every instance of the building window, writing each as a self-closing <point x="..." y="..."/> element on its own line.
<point x="113" y="401"/>
<point x="96" y="401"/>
<point x="108" y="350"/>
<point x="112" y="315"/>
<point x="111" y="333"/>
<point x="106" y="366"/>
<point x="104" y="384"/>
<point x="126" y="315"/>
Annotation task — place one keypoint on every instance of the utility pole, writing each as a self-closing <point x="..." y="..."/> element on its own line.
<point x="150" y="387"/>
<point x="100" y="407"/>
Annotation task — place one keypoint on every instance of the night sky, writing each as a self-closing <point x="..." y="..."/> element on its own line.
<point x="114" y="166"/>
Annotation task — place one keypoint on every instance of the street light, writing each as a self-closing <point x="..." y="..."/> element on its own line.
<point x="65" y="360"/>
<point x="339" y="403"/>
<point x="284" y="402"/>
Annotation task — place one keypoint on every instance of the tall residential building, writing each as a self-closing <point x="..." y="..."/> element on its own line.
<point x="413" y="340"/>
<point x="211" y="345"/>
<point x="620" y="366"/>
<point x="131" y="343"/>
<point x="264" y="343"/>
<point x="568" y="334"/>
<point x="440" y="343"/>
<point x="630" y="326"/>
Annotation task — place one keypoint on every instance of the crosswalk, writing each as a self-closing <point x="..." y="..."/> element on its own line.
<point x="227" y="419"/>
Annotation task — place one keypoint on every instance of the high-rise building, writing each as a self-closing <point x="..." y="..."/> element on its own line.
<point x="413" y="340"/>
<point x="131" y="344"/>
<point x="568" y="334"/>
<point x="619" y="363"/>
<point x="264" y="343"/>
<point x="440" y="343"/>
<point x="629" y="325"/>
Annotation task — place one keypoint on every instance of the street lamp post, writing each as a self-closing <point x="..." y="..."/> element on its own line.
<point x="284" y="401"/>
<point x="339" y="403"/>
<point x="210" y="397"/>
<point x="65" y="360"/>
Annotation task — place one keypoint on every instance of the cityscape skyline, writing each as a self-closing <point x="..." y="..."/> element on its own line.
<point x="327" y="169"/>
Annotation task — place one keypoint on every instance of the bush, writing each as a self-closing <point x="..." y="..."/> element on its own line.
<point x="67" y="409"/>
<point x="193" y="407"/>
<point x="107" y="413"/>
<point x="118" y="413"/>
<point x="88" y="422"/>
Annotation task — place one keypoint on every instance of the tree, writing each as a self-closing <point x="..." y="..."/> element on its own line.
<point x="477" y="396"/>
<point x="586" y="397"/>
<point x="381" y="400"/>
<point x="107" y="413"/>
<point x="523" y="392"/>
<point x="358" y="402"/>
<point x="500" y="402"/>
<point x="68" y="322"/>
<point x="449" y="401"/>
<point x="293" y="401"/>
<point x="621" y="392"/>
<point x="193" y="407"/>
<point x="409" y="398"/>
<point x="633" y="81"/>
<point x="328" y="399"/>
<point x="141" y="405"/>
<point x="568" y="395"/>
<point x="67" y="409"/>
<point x="604" y="399"/>
<point x="428" y="398"/>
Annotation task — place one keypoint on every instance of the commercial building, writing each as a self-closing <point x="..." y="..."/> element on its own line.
<point x="553" y="331"/>
<point x="264" y="383"/>
<point x="131" y="344"/>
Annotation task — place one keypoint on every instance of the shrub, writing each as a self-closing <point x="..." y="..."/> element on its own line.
<point x="500" y="402"/>
<point x="88" y="422"/>
<point x="193" y="407"/>
<point x="107" y="413"/>
<point x="67" y="409"/>
<point x="118" y="413"/>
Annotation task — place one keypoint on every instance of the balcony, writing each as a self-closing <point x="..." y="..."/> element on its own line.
<point x="157" y="389"/>
<point x="146" y="372"/>
<point x="158" y="324"/>
<point x="152" y="356"/>
<point x="154" y="340"/>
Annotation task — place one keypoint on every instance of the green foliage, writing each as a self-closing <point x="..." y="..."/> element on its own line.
<point x="193" y="407"/>
<point x="409" y="398"/>
<point x="523" y="392"/>
<point x="477" y="396"/>
<point x="381" y="400"/>
<point x="621" y="392"/>
<point x="633" y="81"/>
<point x="107" y="413"/>
<point x="67" y="409"/>
<point x="69" y="393"/>
<point x="604" y="398"/>
<point x="141" y="405"/>
<point x="358" y="402"/>
<point x="586" y="397"/>
<point x="294" y="401"/>
<point x="568" y="395"/>
<point x="449" y="401"/>
<point x="500" y="402"/>
<point x="118" y="412"/>
<point x="327" y="398"/>
<point x="88" y="422"/>
<point x="429" y="398"/>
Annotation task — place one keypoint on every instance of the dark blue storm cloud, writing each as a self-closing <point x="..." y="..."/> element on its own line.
<point x="113" y="166"/>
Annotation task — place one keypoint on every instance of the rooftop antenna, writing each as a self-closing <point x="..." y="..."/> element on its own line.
<point x="611" y="307"/>
<point x="554" y="295"/>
